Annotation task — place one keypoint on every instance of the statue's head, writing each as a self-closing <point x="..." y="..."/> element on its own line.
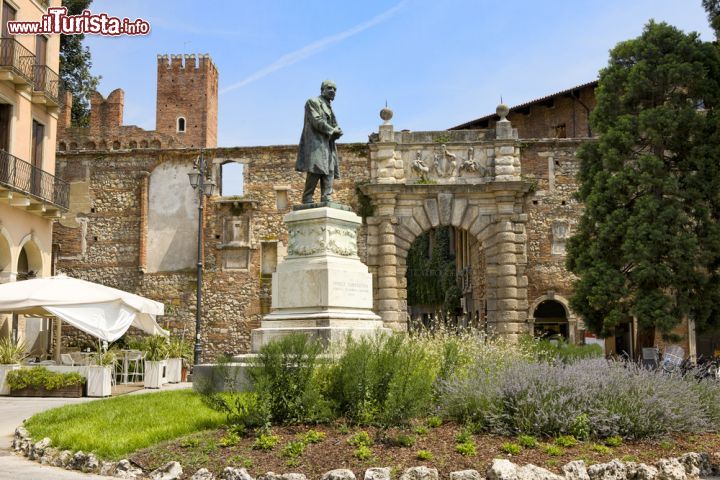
<point x="328" y="89"/>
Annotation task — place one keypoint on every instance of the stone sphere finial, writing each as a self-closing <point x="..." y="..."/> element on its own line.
<point x="502" y="111"/>
<point x="386" y="114"/>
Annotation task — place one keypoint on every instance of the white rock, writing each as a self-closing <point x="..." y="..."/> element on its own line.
<point x="49" y="456"/>
<point x="502" y="469"/>
<point x="339" y="474"/>
<point x="420" y="473"/>
<point x="63" y="459"/>
<point x="293" y="476"/>
<point x="378" y="473"/>
<point x="78" y="461"/>
<point x="576" y="471"/>
<point x="91" y="463"/>
<point x="203" y="474"/>
<point x="670" y="469"/>
<point x="235" y="474"/>
<point x="533" y="472"/>
<point x="696" y="464"/>
<point x="645" y="472"/>
<point x="125" y="469"/>
<point x="613" y="470"/>
<point x="270" y="476"/>
<point x="169" y="471"/>
<point x="465" y="475"/>
<point x="38" y="449"/>
<point x="107" y="468"/>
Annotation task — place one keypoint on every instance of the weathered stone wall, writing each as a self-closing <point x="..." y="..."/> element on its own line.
<point x="101" y="240"/>
<point x="553" y="165"/>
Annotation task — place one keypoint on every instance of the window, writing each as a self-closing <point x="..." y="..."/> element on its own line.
<point x="40" y="70"/>
<point x="38" y="137"/>
<point x="8" y="15"/>
<point x="181" y="125"/>
<point x="233" y="179"/>
<point x="5" y="114"/>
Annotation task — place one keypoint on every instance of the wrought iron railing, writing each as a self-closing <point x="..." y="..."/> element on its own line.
<point x="18" y="58"/>
<point x="21" y="176"/>
<point x="47" y="81"/>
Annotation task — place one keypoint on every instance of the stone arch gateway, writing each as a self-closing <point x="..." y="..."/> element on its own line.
<point x="467" y="179"/>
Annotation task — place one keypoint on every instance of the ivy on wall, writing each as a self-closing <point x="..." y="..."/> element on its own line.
<point x="431" y="275"/>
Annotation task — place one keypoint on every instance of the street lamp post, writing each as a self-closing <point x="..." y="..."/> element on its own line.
<point x="200" y="180"/>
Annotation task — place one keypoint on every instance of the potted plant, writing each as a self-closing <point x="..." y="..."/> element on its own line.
<point x="99" y="374"/>
<point x="155" y="348"/>
<point x="11" y="354"/>
<point x="178" y="351"/>
<point x="41" y="382"/>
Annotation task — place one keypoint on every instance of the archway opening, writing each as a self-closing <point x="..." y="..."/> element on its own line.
<point x="29" y="264"/>
<point x="551" y="320"/>
<point x="443" y="280"/>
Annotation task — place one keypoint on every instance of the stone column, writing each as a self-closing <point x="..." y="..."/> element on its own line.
<point x="506" y="281"/>
<point x="142" y="247"/>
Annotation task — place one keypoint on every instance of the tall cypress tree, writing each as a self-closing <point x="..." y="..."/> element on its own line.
<point x="648" y="242"/>
<point x="75" y="66"/>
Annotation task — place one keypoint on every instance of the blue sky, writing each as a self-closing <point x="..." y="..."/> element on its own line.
<point x="437" y="63"/>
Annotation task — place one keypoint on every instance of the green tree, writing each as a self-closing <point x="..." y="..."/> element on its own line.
<point x="648" y="242"/>
<point x="712" y="7"/>
<point x="75" y="66"/>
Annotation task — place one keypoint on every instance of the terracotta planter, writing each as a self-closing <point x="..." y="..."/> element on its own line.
<point x="99" y="381"/>
<point x="174" y="370"/>
<point x="4" y="369"/>
<point x="71" y="391"/>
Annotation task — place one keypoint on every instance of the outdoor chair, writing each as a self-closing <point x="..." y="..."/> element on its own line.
<point x="136" y="367"/>
<point x="67" y="359"/>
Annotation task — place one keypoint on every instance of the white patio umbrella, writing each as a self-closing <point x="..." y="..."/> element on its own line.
<point x="103" y="312"/>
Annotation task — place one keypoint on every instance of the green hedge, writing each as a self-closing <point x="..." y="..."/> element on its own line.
<point x="40" y="377"/>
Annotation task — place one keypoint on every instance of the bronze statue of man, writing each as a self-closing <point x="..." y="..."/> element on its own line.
<point x="317" y="154"/>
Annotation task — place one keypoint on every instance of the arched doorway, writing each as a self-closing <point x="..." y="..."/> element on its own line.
<point x="29" y="263"/>
<point x="551" y="320"/>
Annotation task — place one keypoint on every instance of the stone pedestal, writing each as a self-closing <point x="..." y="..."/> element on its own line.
<point x="321" y="288"/>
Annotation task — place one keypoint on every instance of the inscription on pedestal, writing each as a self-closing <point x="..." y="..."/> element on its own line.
<point x="350" y="289"/>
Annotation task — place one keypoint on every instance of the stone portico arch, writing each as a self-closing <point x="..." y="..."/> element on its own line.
<point x="470" y="180"/>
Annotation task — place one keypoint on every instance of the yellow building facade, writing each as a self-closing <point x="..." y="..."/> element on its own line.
<point x="31" y="197"/>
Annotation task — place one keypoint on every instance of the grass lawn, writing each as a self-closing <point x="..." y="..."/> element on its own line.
<point x="115" y="427"/>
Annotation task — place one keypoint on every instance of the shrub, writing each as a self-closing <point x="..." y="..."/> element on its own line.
<point x="466" y="449"/>
<point x="381" y="380"/>
<point x="463" y="436"/>
<point x="11" y="352"/>
<point x="424" y="455"/>
<point x="178" y="347"/>
<point x="511" y="448"/>
<point x="590" y="397"/>
<point x="566" y="441"/>
<point x="403" y="440"/>
<point x="559" y="350"/>
<point x="40" y="377"/>
<point x="527" y="441"/>
<point x="602" y="449"/>
<point x="293" y="449"/>
<point x="363" y="452"/>
<point x="230" y="439"/>
<point x="553" y="450"/>
<point x="242" y="410"/>
<point x="359" y="439"/>
<point x="434" y="422"/>
<point x="265" y="442"/>
<point x="614" y="441"/>
<point x="283" y="375"/>
<point x="313" y="436"/>
<point x="421" y="430"/>
<point x="155" y="348"/>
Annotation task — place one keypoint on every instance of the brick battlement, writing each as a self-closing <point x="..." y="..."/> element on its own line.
<point x="186" y="62"/>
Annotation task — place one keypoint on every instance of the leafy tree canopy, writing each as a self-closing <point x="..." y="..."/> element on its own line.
<point x="75" y="66"/>
<point x="712" y="7"/>
<point x="648" y="242"/>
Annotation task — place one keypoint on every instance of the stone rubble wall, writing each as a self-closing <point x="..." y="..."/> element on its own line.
<point x="691" y="466"/>
<point x="101" y="237"/>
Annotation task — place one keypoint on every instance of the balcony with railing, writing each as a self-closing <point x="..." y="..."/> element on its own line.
<point x="16" y="62"/>
<point x="46" y="85"/>
<point x="24" y="185"/>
